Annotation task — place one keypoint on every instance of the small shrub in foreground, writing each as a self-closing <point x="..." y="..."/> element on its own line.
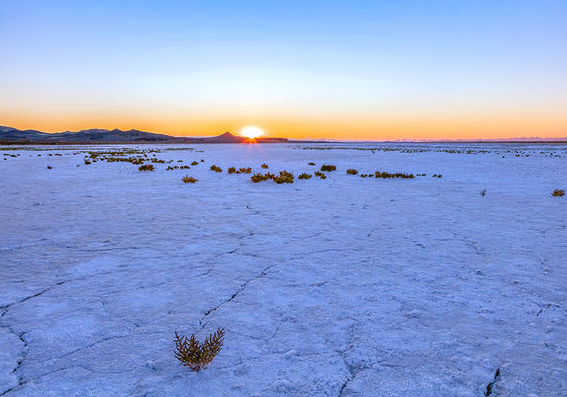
<point x="482" y="193"/>
<point x="189" y="179"/>
<point x="328" y="167"/>
<point x="558" y="193"/>
<point x="197" y="355"/>
<point x="246" y="170"/>
<point x="264" y="165"/>
<point x="304" y="176"/>
<point x="351" y="171"/>
<point x="283" y="177"/>
<point x="231" y="170"/>
<point x="215" y="168"/>
<point x="194" y="163"/>
<point x="49" y="167"/>
<point x="146" y="167"/>
<point x="311" y="163"/>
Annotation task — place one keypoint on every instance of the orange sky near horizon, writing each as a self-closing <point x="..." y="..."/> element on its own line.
<point x="331" y="127"/>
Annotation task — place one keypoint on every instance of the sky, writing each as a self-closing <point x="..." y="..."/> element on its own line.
<point x="355" y="70"/>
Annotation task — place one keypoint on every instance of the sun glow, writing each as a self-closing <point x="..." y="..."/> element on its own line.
<point x="251" y="132"/>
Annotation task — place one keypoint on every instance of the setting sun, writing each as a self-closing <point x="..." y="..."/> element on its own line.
<point x="252" y="132"/>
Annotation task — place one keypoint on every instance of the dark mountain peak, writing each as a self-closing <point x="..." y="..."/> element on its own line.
<point x="226" y="135"/>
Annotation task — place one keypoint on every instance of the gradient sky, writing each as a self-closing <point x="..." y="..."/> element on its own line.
<point x="301" y="69"/>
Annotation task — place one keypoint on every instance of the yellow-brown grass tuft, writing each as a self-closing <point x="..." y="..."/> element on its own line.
<point x="197" y="355"/>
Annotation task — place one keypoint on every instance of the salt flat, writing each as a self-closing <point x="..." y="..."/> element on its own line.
<point x="346" y="286"/>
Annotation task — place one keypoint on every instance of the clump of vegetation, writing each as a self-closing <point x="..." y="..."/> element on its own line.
<point x="197" y="355"/>
<point x="246" y="170"/>
<point x="49" y="167"/>
<point x="283" y="177"/>
<point x="351" y="171"/>
<point x="379" y="174"/>
<point x="558" y="193"/>
<point x="310" y="163"/>
<point x="215" y="168"/>
<point x="482" y="193"/>
<point x="265" y="165"/>
<point x="189" y="179"/>
<point x="328" y="167"/>
<point x="232" y="170"/>
<point x="436" y="176"/>
<point x="177" y="167"/>
<point x="194" y="163"/>
<point x="259" y="177"/>
<point x="319" y="174"/>
<point x="304" y="176"/>
<point x="87" y="162"/>
<point x="146" y="167"/>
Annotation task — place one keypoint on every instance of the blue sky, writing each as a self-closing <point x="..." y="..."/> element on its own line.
<point x="188" y="67"/>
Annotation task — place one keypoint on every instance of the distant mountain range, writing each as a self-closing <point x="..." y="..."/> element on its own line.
<point x="97" y="135"/>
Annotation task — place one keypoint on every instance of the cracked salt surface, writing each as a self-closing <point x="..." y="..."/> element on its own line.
<point x="338" y="287"/>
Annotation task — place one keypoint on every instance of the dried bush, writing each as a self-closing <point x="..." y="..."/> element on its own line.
<point x="87" y="162"/>
<point x="259" y="177"/>
<point x="189" y="179"/>
<point x="231" y="170"/>
<point x="319" y="174"/>
<point x="215" y="168"/>
<point x="265" y="165"/>
<point x="146" y="167"/>
<point x="194" y="163"/>
<point x="283" y="177"/>
<point x="379" y="174"/>
<point x="304" y="176"/>
<point x="49" y="167"/>
<point x="311" y="163"/>
<point x="482" y="193"/>
<point x="247" y="170"/>
<point x="351" y="171"/>
<point x="328" y="167"/>
<point x="558" y="193"/>
<point x="197" y="355"/>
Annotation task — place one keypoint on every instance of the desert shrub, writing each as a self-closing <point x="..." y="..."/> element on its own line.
<point x="87" y="162"/>
<point x="179" y="161"/>
<point x="189" y="179"/>
<point x="319" y="174"/>
<point x="379" y="174"/>
<point x="202" y="161"/>
<point x="283" y="177"/>
<point x="558" y="193"/>
<point x="231" y="170"/>
<point x="146" y="167"/>
<point x="311" y="163"/>
<point x="197" y="355"/>
<point x="328" y="167"/>
<point x="246" y="170"/>
<point x="436" y="176"/>
<point x="215" y="168"/>
<point x="482" y="193"/>
<point x="194" y="163"/>
<point x="304" y="176"/>
<point x="49" y="167"/>
<point x="265" y="165"/>
<point x="259" y="177"/>
<point x="351" y="171"/>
